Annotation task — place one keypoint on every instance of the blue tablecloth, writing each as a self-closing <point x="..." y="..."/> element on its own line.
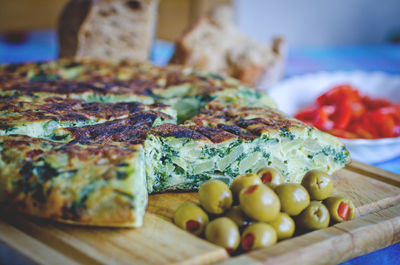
<point x="42" y="45"/>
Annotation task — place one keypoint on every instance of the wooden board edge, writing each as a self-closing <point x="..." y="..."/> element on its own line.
<point x="51" y="237"/>
<point x="29" y="249"/>
<point x="344" y="241"/>
<point x="375" y="173"/>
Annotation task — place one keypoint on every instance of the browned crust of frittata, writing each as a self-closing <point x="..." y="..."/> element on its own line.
<point x="250" y="120"/>
<point x="177" y="131"/>
<point x="222" y="125"/>
<point x="67" y="110"/>
<point x="91" y="69"/>
<point x="132" y="130"/>
<point x="65" y="87"/>
<point x="199" y="133"/>
<point x="105" y="78"/>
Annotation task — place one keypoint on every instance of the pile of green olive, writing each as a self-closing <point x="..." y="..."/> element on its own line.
<point x="260" y="209"/>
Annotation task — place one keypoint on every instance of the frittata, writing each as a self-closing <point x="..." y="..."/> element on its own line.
<point x="84" y="142"/>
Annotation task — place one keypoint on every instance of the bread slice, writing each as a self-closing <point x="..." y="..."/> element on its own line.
<point x="108" y="29"/>
<point x="215" y="44"/>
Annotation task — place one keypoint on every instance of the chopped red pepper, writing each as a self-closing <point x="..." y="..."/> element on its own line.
<point x="357" y="110"/>
<point x="229" y="250"/>
<point x="250" y="189"/>
<point x="192" y="226"/>
<point x="337" y="93"/>
<point x="248" y="241"/>
<point x="375" y="103"/>
<point x="307" y="113"/>
<point x="323" y="119"/>
<point x="342" y="115"/>
<point x="266" y="177"/>
<point x="396" y="130"/>
<point x="383" y="122"/>
<point x="343" y="210"/>
<point x="341" y="111"/>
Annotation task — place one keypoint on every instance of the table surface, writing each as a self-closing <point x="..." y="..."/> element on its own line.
<point x="42" y="45"/>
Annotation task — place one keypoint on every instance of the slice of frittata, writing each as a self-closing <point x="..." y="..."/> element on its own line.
<point x="87" y="184"/>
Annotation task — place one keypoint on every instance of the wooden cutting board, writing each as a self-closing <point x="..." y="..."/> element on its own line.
<point x="375" y="192"/>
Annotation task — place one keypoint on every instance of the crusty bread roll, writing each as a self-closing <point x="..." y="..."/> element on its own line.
<point x="108" y="29"/>
<point x="215" y="44"/>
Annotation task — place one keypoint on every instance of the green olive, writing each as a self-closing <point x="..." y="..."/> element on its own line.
<point x="236" y="214"/>
<point x="341" y="209"/>
<point x="259" y="202"/>
<point x="294" y="198"/>
<point x="318" y="184"/>
<point x="244" y="181"/>
<point x="258" y="235"/>
<point x="284" y="226"/>
<point x="271" y="177"/>
<point x="223" y="232"/>
<point x="315" y="216"/>
<point x="191" y="218"/>
<point x="215" y="196"/>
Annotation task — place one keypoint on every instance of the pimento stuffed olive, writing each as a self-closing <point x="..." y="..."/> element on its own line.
<point x="340" y="209"/>
<point x="191" y="218"/>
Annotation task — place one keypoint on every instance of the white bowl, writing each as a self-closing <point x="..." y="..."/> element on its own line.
<point x="296" y="92"/>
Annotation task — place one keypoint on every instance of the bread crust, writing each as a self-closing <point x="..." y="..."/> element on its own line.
<point x="249" y="73"/>
<point x="69" y="24"/>
<point x="182" y="50"/>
